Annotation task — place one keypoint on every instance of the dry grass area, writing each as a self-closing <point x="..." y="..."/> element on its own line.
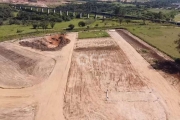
<point x="103" y="85"/>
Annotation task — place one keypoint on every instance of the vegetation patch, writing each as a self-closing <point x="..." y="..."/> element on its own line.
<point x="160" y="37"/>
<point x="92" y="34"/>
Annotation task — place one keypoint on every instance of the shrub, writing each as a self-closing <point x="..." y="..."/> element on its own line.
<point x="35" y="25"/>
<point x="19" y="31"/>
<point x="128" y="21"/>
<point x="81" y="24"/>
<point x="1" y="22"/>
<point x="71" y="27"/>
<point x="52" y="24"/>
<point x="96" y="25"/>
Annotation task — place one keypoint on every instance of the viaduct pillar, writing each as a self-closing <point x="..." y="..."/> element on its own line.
<point x="60" y="13"/>
<point x="74" y="14"/>
<point x="80" y="16"/>
<point x="42" y="10"/>
<point x="103" y="17"/>
<point x="95" y="17"/>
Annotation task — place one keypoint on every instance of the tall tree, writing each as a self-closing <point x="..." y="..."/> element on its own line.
<point x="120" y="20"/>
<point x="52" y="23"/>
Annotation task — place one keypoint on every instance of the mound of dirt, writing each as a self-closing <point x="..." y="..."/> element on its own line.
<point x="48" y="43"/>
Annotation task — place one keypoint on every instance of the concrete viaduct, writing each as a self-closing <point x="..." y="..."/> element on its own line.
<point x="66" y="12"/>
<point x="61" y="12"/>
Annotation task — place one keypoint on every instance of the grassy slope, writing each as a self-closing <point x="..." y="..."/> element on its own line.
<point x="161" y="37"/>
<point x="10" y="30"/>
<point x="92" y="34"/>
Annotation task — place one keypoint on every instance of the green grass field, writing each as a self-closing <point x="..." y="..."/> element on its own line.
<point x="92" y="34"/>
<point x="161" y="37"/>
<point x="11" y="30"/>
<point x="177" y="18"/>
<point x="160" y="10"/>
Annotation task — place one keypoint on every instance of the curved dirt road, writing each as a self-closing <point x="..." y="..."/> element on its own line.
<point x="46" y="98"/>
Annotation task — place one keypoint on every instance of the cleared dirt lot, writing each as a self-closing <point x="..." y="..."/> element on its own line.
<point x="103" y="85"/>
<point x="93" y="79"/>
<point x="18" y="113"/>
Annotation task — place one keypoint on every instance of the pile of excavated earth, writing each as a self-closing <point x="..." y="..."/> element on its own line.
<point x="47" y="43"/>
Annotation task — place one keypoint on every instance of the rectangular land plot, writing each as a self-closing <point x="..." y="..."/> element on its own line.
<point x="103" y="85"/>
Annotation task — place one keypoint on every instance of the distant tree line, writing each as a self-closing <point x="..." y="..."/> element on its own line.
<point x="157" y="3"/>
<point x="88" y="7"/>
<point x="24" y="15"/>
<point x="144" y="14"/>
<point x="5" y="13"/>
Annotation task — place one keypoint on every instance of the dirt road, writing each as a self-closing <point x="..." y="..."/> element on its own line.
<point x="43" y="101"/>
<point x="167" y="95"/>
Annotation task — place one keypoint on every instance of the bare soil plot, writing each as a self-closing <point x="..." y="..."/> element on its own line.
<point x="103" y="85"/>
<point x="18" y="113"/>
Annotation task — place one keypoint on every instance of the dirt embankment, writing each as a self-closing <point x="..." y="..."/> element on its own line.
<point x="22" y="68"/>
<point x="158" y="60"/>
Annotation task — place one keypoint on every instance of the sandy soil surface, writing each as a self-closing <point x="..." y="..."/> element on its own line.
<point x="42" y="101"/>
<point x="167" y="96"/>
<point x="22" y="68"/>
<point x="95" y="79"/>
<point x="104" y="85"/>
<point x="18" y="113"/>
